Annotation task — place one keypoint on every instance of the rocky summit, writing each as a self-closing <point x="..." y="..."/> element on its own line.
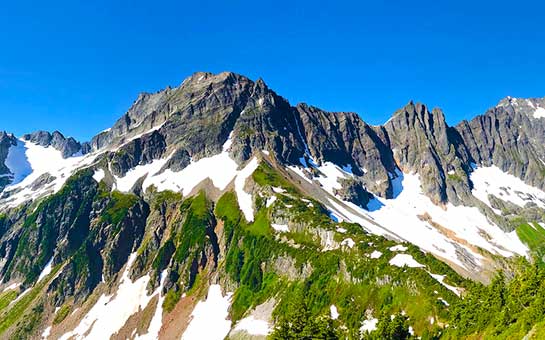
<point x="216" y="209"/>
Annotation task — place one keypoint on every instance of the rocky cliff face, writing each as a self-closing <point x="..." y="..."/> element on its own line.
<point x="511" y="137"/>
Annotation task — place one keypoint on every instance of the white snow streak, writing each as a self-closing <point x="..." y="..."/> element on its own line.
<point x="46" y="270"/>
<point x="245" y="200"/>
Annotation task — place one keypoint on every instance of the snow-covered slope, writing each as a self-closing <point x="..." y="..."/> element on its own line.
<point x="451" y="232"/>
<point x="38" y="171"/>
<point x="492" y="181"/>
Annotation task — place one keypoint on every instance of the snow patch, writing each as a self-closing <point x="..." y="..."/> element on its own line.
<point x="111" y="312"/>
<point x="369" y="325"/>
<point x="341" y="230"/>
<point x="333" y="312"/>
<point x="441" y="279"/>
<point x="493" y="181"/>
<point x="401" y="260"/>
<point x="410" y="215"/>
<point x="539" y="113"/>
<point x="376" y="254"/>
<point x="282" y="228"/>
<point x="47" y="269"/>
<point x="126" y="182"/>
<point x="209" y="318"/>
<point x="12" y="286"/>
<point x="244" y="199"/>
<point x="46" y="333"/>
<point x="17" y="162"/>
<point x="270" y="201"/>
<point x="278" y="190"/>
<point x="99" y="175"/>
<point x="348" y="242"/>
<point x="253" y="326"/>
<point x="157" y="320"/>
<point x="398" y="247"/>
<point x="29" y="161"/>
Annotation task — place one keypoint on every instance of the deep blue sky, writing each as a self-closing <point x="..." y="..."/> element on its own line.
<point x="76" y="66"/>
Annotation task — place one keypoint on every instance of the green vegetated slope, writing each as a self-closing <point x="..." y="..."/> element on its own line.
<point x="317" y="264"/>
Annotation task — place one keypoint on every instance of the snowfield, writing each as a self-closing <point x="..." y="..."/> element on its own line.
<point x="445" y="231"/>
<point x="493" y="181"/>
<point x="221" y="169"/>
<point x="209" y="318"/>
<point x="111" y="312"/>
<point x="29" y="161"/>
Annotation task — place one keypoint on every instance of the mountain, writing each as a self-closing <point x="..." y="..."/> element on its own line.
<point x="217" y="209"/>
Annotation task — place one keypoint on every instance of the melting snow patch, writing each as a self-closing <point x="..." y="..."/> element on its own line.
<point x="348" y="242"/>
<point x="539" y="113"/>
<point x="209" y="318"/>
<point x="376" y="254"/>
<point x="341" y="230"/>
<point x="441" y="279"/>
<point x="46" y="270"/>
<point x="283" y="228"/>
<point x="253" y="326"/>
<point x="157" y="320"/>
<point x="29" y="161"/>
<point x="110" y="313"/>
<point x="221" y="169"/>
<point x="398" y="247"/>
<point x="493" y="181"/>
<point x="126" y="182"/>
<point x="413" y="217"/>
<point x="270" y="201"/>
<point x="12" y="286"/>
<point x="333" y="312"/>
<point x="46" y="333"/>
<point x="369" y="325"/>
<point x="244" y="199"/>
<point x="443" y="301"/>
<point x="98" y="175"/>
<point x="278" y="190"/>
<point x="401" y="260"/>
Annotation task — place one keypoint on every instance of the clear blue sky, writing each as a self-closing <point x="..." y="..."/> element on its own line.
<point x="76" y="66"/>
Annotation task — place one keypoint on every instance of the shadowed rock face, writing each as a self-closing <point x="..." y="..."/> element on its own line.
<point x="6" y="142"/>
